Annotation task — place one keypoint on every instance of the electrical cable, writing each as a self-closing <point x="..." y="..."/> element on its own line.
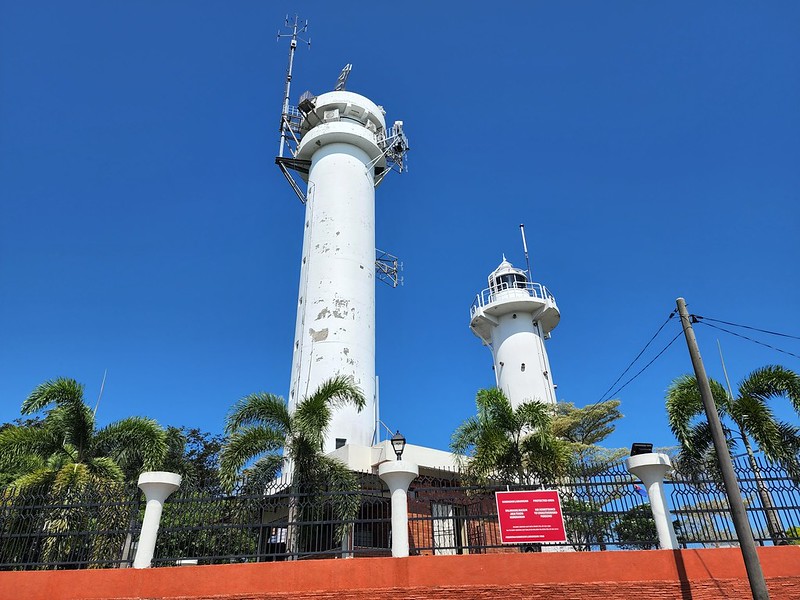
<point x="786" y="335"/>
<point x="642" y="370"/>
<point x="701" y="322"/>
<point x="633" y="362"/>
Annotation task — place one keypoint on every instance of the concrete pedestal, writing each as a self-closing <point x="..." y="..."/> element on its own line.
<point x="398" y="475"/>
<point x="651" y="469"/>
<point x="157" y="486"/>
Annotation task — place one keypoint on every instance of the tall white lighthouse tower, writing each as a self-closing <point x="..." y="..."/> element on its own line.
<point x="339" y="144"/>
<point x="513" y="317"/>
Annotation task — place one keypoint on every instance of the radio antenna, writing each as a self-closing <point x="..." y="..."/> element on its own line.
<point x="525" y="249"/>
<point x="296" y="28"/>
<point x="102" y="387"/>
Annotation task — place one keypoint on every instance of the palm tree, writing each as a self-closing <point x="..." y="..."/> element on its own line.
<point x="752" y="423"/>
<point x="65" y="450"/>
<point x="261" y="428"/>
<point x="62" y="459"/>
<point x="513" y="444"/>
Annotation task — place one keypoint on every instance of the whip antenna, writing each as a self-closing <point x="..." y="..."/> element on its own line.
<point x="102" y="387"/>
<point x="525" y="249"/>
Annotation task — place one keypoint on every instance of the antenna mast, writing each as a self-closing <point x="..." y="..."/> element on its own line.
<point x="102" y="387"/>
<point x="525" y="249"/>
<point x="285" y="116"/>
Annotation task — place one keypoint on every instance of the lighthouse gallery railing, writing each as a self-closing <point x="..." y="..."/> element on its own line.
<point x="490" y="295"/>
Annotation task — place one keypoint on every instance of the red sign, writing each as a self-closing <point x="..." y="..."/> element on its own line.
<point x="530" y="517"/>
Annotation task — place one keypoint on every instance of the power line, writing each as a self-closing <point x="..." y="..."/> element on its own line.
<point x="747" y="338"/>
<point x="644" y="368"/>
<point x="628" y="368"/>
<point x="786" y="335"/>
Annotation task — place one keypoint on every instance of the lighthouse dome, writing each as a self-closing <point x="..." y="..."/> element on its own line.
<point x="506" y="277"/>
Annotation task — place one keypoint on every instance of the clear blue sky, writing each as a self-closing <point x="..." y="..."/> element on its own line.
<point x="651" y="149"/>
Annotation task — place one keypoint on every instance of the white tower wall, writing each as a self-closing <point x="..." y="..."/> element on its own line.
<point x="513" y="317"/>
<point x="522" y="369"/>
<point x="335" y="329"/>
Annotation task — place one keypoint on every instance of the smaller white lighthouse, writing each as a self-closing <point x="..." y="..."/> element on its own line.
<point x="514" y="316"/>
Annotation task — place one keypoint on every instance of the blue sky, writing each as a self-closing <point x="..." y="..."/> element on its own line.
<point x="651" y="149"/>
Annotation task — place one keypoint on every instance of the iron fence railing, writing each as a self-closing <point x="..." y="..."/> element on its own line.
<point x="276" y="522"/>
<point x="604" y="508"/>
<point x="90" y="527"/>
<point x="700" y="506"/>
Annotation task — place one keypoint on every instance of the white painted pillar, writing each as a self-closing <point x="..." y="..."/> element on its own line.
<point x="651" y="469"/>
<point x="157" y="486"/>
<point x="398" y="475"/>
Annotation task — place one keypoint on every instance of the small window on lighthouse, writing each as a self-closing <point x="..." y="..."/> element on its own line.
<point x="522" y="368"/>
<point x="340" y="442"/>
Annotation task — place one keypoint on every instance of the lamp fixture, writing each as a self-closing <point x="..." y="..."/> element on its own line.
<point x="398" y="444"/>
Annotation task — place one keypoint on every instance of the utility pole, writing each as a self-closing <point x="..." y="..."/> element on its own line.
<point x="758" y="586"/>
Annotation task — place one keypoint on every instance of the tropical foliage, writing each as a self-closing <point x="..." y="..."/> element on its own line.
<point x="748" y="419"/>
<point x="60" y="468"/>
<point x="265" y="435"/>
<point x="194" y="454"/>
<point x="793" y="533"/>
<point x="64" y="448"/>
<point x="636" y="529"/>
<point x="587" y="523"/>
<point x="584" y="429"/>
<point x="511" y="444"/>
<point x="706" y="519"/>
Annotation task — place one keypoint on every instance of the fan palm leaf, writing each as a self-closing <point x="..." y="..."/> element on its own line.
<point x="259" y="409"/>
<point x="685" y="405"/>
<point x="54" y="392"/>
<point x="260" y="424"/>
<point x="68" y="436"/>
<point x="770" y="383"/>
<point x="753" y="419"/>
<point x="260" y="474"/>
<point x="19" y="442"/>
<point x="515" y="444"/>
<point x="245" y="444"/>
<point x="41" y="477"/>
<point x="135" y="443"/>
<point x="312" y="416"/>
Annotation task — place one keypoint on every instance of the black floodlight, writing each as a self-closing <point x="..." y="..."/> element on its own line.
<point x="640" y="448"/>
<point x="399" y="444"/>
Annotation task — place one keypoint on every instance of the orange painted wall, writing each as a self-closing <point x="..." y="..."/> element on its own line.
<point x="660" y="574"/>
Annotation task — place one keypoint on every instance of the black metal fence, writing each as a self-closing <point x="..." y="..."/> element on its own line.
<point x="90" y="527"/>
<point x="278" y="522"/>
<point x="604" y="508"/>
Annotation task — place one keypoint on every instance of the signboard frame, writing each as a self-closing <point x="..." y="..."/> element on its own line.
<point x="530" y="517"/>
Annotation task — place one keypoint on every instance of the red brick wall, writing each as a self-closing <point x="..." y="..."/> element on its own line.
<point x="655" y="574"/>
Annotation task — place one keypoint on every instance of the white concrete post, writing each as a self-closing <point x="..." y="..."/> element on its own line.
<point x="651" y="469"/>
<point x="157" y="486"/>
<point x="398" y="475"/>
